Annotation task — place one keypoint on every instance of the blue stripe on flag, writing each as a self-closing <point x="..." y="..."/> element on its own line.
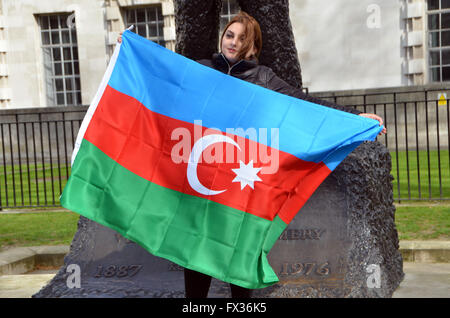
<point x="172" y="85"/>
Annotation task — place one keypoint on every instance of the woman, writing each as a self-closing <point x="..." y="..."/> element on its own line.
<point x="240" y="45"/>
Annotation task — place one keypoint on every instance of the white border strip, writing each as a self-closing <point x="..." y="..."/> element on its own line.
<point x="92" y="108"/>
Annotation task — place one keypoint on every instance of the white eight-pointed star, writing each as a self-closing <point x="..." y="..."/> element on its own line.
<point x="246" y="174"/>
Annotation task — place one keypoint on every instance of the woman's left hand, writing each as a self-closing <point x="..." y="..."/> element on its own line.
<point x="376" y="117"/>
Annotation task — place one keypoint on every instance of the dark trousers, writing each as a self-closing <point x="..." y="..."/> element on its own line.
<point x="197" y="286"/>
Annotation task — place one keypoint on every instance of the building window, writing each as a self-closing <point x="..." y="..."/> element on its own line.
<point x="229" y="9"/>
<point x="61" y="66"/>
<point x="148" y="22"/>
<point x="439" y="39"/>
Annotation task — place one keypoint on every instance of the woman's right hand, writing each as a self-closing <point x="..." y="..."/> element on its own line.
<point x="376" y="117"/>
<point x="119" y="39"/>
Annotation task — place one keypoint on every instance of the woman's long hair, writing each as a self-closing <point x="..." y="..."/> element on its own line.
<point x="253" y="36"/>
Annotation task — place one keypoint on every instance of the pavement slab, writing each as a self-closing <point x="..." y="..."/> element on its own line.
<point x="422" y="280"/>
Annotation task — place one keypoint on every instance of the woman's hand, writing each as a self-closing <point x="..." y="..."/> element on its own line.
<point x="376" y="117"/>
<point x="119" y="39"/>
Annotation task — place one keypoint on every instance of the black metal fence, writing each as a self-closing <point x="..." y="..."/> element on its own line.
<point x="36" y="145"/>
<point x="35" y="154"/>
<point x="418" y="138"/>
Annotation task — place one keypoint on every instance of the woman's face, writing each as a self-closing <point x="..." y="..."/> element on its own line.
<point x="232" y="42"/>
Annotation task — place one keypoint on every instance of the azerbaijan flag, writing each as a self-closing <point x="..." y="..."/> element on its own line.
<point x="199" y="167"/>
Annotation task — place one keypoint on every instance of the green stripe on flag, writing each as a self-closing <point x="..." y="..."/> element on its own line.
<point x="226" y="243"/>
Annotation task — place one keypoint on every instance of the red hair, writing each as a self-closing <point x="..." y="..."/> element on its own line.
<point x="253" y="36"/>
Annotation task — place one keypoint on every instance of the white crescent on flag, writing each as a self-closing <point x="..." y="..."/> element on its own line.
<point x="194" y="157"/>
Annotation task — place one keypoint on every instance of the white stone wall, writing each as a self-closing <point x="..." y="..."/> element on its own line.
<point x="342" y="44"/>
<point x="98" y="23"/>
<point x="349" y="44"/>
<point x="115" y="23"/>
<point x="5" y="90"/>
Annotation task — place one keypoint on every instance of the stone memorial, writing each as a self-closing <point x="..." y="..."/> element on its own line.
<point x="342" y="243"/>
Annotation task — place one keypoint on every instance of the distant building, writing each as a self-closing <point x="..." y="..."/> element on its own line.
<point x="54" y="53"/>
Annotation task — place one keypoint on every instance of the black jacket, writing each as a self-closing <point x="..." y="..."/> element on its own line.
<point x="252" y="72"/>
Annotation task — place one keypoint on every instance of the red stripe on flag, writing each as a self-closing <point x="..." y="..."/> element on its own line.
<point x="140" y="140"/>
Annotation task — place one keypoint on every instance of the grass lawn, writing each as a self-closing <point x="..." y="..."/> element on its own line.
<point x="423" y="222"/>
<point x="58" y="228"/>
<point x="421" y="173"/>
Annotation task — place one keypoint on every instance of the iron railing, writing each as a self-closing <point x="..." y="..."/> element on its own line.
<point x="36" y="146"/>
<point x="418" y="138"/>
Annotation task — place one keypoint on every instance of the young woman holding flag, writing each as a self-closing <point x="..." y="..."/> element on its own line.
<point x="241" y="45"/>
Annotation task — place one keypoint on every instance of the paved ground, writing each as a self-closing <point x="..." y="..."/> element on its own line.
<point x="22" y="286"/>
<point x="422" y="280"/>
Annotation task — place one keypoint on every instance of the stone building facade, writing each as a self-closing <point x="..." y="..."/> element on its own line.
<point x="54" y="53"/>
